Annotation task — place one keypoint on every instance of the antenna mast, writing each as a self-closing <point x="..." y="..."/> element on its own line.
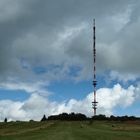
<point x="94" y="103"/>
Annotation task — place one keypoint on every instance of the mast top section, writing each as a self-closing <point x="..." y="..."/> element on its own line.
<point x="94" y="22"/>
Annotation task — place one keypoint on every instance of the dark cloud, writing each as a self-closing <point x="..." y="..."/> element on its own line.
<point x="48" y="32"/>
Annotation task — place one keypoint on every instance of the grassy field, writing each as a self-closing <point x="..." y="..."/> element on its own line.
<point x="60" y="130"/>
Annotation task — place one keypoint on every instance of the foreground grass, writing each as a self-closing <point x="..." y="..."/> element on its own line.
<point x="60" y="130"/>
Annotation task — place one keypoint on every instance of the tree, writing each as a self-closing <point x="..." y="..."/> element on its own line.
<point x="5" y="120"/>
<point x="69" y="117"/>
<point x="44" y="118"/>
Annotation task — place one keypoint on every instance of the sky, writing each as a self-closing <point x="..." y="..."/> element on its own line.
<point x="46" y="57"/>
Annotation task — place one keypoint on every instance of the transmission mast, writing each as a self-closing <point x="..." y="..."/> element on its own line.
<point x="94" y="103"/>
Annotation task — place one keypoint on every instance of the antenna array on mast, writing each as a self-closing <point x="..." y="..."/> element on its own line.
<point x="94" y="103"/>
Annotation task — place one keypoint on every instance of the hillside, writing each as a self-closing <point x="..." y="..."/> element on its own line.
<point x="70" y="130"/>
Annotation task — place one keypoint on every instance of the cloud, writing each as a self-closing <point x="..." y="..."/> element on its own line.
<point x="31" y="88"/>
<point x="60" y="34"/>
<point x="37" y="105"/>
<point x="43" y="41"/>
<point x="108" y="99"/>
<point x="124" y="77"/>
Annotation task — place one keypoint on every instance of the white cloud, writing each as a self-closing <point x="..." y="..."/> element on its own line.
<point x="37" y="105"/>
<point x="11" y="110"/>
<point x="38" y="87"/>
<point x="124" y="77"/>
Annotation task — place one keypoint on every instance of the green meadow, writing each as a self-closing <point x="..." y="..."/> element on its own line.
<point x="70" y="130"/>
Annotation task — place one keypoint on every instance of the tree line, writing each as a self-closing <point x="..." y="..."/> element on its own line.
<point x="81" y="117"/>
